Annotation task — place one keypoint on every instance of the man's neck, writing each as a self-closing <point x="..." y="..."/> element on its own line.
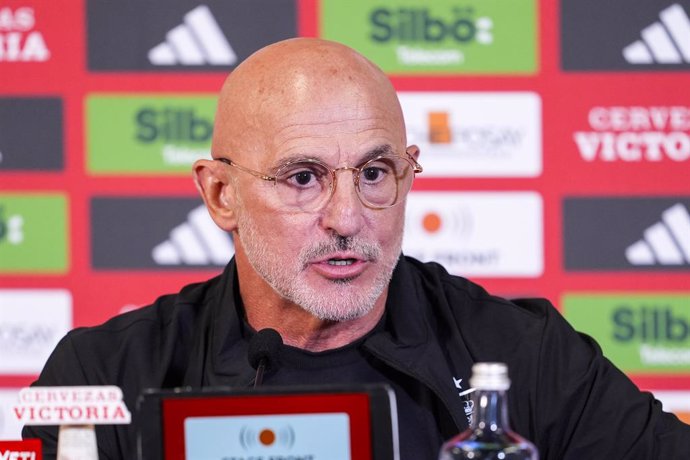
<point x="303" y="330"/>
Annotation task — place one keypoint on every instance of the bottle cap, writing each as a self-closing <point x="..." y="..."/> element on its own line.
<point x="490" y="376"/>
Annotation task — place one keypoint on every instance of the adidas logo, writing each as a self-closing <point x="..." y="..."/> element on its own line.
<point x="198" y="41"/>
<point x="665" y="243"/>
<point x="664" y="42"/>
<point x="198" y="241"/>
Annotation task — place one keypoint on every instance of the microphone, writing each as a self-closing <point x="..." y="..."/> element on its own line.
<point x="264" y="351"/>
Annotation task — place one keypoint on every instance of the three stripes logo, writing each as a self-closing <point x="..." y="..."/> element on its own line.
<point x="199" y="40"/>
<point x="156" y="233"/>
<point x="198" y="241"/>
<point x="666" y="41"/>
<point x="627" y="234"/>
<point x="667" y="242"/>
<point x="183" y="35"/>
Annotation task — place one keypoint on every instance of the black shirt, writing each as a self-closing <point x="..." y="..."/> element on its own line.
<point x="419" y="436"/>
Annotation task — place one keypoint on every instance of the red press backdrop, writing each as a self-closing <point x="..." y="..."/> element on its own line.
<point x="555" y="137"/>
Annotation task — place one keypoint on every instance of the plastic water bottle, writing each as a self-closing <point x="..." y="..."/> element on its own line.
<point x="489" y="436"/>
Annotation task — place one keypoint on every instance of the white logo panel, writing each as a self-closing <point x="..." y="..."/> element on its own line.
<point x="481" y="234"/>
<point x="31" y="324"/>
<point x="10" y="427"/>
<point x="475" y="134"/>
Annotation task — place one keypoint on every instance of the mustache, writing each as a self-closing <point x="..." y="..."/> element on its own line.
<point x="364" y="249"/>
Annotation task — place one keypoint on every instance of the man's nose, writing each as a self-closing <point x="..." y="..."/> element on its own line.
<point x="343" y="213"/>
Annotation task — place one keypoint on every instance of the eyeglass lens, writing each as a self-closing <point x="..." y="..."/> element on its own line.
<point x="379" y="183"/>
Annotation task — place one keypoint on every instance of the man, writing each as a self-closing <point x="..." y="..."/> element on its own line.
<point x="310" y="175"/>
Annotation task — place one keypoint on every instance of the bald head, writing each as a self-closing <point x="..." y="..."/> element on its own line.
<point x="290" y="79"/>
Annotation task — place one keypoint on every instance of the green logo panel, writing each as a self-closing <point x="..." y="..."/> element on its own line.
<point x="443" y="36"/>
<point x="148" y="134"/>
<point x="33" y="233"/>
<point x="640" y="333"/>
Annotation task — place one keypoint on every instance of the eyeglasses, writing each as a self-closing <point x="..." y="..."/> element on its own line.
<point x="306" y="185"/>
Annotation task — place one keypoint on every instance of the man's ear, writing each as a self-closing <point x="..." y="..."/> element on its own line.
<point x="413" y="150"/>
<point x="217" y="189"/>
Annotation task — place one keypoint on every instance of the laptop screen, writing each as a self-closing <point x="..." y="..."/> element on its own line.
<point x="269" y="423"/>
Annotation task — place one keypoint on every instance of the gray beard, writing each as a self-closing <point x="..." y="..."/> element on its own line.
<point x="346" y="302"/>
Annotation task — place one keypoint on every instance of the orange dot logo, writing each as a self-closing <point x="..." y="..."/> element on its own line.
<point x="267" y="437"/>
<point x="431" y="222"/>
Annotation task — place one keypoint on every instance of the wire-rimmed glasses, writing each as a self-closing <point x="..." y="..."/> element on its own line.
<point x="307" y="184"/>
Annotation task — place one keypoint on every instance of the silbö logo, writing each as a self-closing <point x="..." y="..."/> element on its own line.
<point x="176" y="128"/>
<point x="663" y="334"/>
<point x="427" y="39"/>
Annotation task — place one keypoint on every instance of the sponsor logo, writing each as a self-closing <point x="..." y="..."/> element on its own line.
<point x="33" y="323"/>
<point x="20" y="39"/>
<point x="656" y="37"/>
<point x="490" y="234"/>
<point x="283" y="436"/>
<point x="475" y="134"/>
<point x="20" y="148"/>
<point x="198" y="241"/>
<point x="627" y="233"/>
<point x="10" y="428"/>
<point x="666" y="242"/>
<point x="640" y="333"/>
<point x="172" y="233"/>
<point x="33" y="233"/>
<point x="156" y="134"/>
<point x="443" y="36"/>
<point x="270" y="436"/>
<point x="199" y="40"/>
<point x="465" y="394"/>
<point x="29" y="449"/>
<point x="635" y="134"/>
<point x="179" y="35"/>
<point x="663" y="42"/>
<point x="72" y="405"/>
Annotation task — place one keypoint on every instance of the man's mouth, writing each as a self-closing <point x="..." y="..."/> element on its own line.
<point x="341" y="262"/>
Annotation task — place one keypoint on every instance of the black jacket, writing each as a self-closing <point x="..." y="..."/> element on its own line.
<point x="565" y="396"/>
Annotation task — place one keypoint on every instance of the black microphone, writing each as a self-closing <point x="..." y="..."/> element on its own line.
<point x="264" y="351"/>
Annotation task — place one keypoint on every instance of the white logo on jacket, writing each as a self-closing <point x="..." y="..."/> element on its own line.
<point x="467" y="403"/>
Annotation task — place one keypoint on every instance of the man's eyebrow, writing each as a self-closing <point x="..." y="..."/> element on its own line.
<point x="291" y="159"/>
<point x="383" y="149"/>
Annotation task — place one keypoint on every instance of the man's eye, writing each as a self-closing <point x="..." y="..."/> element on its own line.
<point x="372" y="173"/>
<point x="302" y="177"/>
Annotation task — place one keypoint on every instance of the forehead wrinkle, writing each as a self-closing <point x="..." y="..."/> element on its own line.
<point x="370" y="123"/>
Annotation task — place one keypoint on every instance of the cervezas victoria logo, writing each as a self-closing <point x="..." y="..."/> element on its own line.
<point x="635" y="134"/>
<point x="21" y="40"/>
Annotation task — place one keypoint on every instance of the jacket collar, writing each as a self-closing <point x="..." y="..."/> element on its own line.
<point x="228" y="358"/>
<point x="416" y="311"/>
<point x="409" y="341"/>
